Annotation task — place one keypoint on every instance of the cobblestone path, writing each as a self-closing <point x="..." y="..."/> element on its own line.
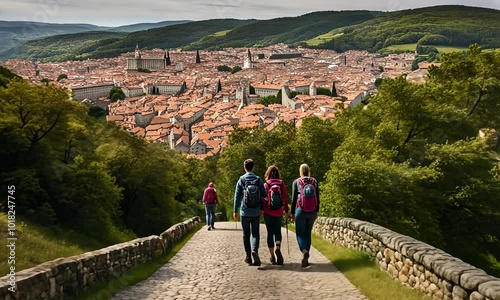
<point x="210" y="266"/>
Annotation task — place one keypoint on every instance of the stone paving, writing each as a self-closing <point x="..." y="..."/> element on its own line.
<point x="211" y="266"/>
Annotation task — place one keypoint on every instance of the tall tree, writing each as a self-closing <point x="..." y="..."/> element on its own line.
<point x="198" y="57"/>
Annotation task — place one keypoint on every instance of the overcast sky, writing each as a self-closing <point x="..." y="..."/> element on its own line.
<point x="122" y="12"/>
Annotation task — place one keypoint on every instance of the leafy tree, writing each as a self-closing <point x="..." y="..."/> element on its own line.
<point x="334" y="90"/>
<point x="62" y="76"/>
<point x="323" y="91"/>
<point x="219" y="87"/>
<point x="198" y="57"/>
<point x="224" y="68"/>
<point x="167" y="59"/>
<point x="236" y="69"/>
<point x="116" y="94"/>
<point x="268" y="100"/>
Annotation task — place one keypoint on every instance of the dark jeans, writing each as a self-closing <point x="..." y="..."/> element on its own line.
<point x="246" y="223"/>
<point x="273" y="226"/>
<point x="210" y="211"/>
<point x="304" y="222"/>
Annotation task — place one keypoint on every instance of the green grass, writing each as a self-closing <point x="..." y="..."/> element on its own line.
<point x="221" y="33"/>
<point x="37" y="244"/>
<point x="107" y="289"/>
<point x="364" y="273"/>
<point x="320" y="39"/>
<point x="413" y="47"/>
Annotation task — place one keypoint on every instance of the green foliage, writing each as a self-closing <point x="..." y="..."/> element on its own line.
<point x="116" y="94"/>
<point x="6" y="76"/>
<point x="438" y="25"/>
<point x="323" y="91"/>
<point x="272" y="99"/>
<point x="236" y="69"/>
<point x="378" y="82"/>
<point x="73" y="170"/>
<point x="198" y="57"/>
<point x="224" y="68"/>
<point x="62" y="76"/>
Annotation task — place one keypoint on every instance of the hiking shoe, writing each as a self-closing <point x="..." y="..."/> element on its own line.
<point x="256" y="259"/>
<point x="305" y="260"/>
<point x="279" y="256"/>
<point x="248" y="260"/>
<point x="208" y="228"/>
<point x="272" y="260"/>
<point x="213" y="227"/>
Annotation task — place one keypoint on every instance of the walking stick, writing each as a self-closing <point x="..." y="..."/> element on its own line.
<point x="287" y="244"/>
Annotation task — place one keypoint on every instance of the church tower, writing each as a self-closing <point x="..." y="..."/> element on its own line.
<point x="247" y="62"/>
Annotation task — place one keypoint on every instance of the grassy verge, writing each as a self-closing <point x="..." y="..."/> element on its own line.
<point x="364" y="273"/>
<point x="107" y="289"/>
<point x="36" y="244"/>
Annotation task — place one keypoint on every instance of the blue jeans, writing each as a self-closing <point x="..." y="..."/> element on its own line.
<point x="246" y="223"/>
<point x="273" y="226"/>
<point x="210" y="211"/>
<point x="304" y="222"/>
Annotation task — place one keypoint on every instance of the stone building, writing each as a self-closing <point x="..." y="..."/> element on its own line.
<point x="153" y="63"/>
<point x="92" y="92"/>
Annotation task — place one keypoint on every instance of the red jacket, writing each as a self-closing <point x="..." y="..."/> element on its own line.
<point x="210" y="196"/>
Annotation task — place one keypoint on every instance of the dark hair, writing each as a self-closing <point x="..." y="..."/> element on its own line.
<point x="272" y="172"/>
<point x="248" y="164"/>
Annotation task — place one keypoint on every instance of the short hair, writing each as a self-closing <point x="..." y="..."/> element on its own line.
<point x="272" y="172"/>
<point x="248" y="164"/>
<point x="304" y="170"/>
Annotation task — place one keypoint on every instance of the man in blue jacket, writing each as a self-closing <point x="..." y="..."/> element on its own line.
<point x="248" y="196"/>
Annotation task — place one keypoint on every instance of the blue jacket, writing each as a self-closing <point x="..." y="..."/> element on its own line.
<point x="238" y="196"/>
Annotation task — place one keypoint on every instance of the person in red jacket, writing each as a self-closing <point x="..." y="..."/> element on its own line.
<point x="210" y="201"/>
<point x="276" y="204"/>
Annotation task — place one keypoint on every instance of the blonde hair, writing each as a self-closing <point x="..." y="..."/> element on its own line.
<point x="304" y="170"/>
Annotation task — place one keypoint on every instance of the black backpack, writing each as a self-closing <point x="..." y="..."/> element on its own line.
<point x="251" y="192"/>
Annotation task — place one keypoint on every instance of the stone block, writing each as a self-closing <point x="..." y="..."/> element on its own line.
<point x="459" y="293"/>
<point x="470" y="280"/>
<point x="476" y="296"/>
<point x="490" y="289"/>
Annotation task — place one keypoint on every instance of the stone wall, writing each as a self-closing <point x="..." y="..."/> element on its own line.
<point x="411" y="262"/>
<point x="67" y="277"/>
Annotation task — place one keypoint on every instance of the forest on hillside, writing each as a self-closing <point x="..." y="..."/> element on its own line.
<point x="440" y="25"/>
<point x="409" y="160"/>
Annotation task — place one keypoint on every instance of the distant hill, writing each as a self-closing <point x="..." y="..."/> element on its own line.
<point x="289" y="30"/>
<point x="439" y="25"/>
<point x="146" y="26"/>
<point x="110" y="44"/>
<point x="14" y="34"/>
<point x="452" y="25"/>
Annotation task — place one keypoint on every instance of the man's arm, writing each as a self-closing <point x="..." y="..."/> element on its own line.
<point x="238" y="191"/>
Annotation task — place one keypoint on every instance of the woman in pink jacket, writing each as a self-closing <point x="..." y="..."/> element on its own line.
<point x="274" y="206"/>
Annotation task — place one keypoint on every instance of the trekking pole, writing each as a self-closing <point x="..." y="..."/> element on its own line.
<point x="287" y="244"/>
